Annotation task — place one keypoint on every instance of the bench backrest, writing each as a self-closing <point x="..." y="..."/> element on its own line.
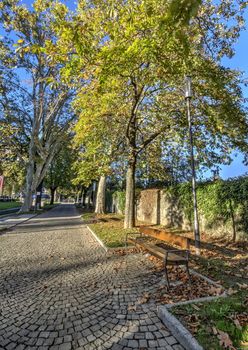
<point x="182" y="242"/>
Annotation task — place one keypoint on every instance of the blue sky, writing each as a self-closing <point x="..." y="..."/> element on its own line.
<point x="239" y="61"/>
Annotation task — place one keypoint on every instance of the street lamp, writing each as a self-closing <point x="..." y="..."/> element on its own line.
<point x="188" y="96"/>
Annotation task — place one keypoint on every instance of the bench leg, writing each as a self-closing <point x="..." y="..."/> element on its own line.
<point x="166" y="276"/>
<point x="187" y="269"/>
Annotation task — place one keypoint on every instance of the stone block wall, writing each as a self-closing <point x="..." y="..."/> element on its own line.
<point x="160" y="207"/>
<point x="148" y="206"/>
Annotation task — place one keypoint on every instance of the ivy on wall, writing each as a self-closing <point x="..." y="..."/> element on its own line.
<point x="219" y="202"/>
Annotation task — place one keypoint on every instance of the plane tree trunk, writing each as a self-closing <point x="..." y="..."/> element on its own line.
<point x="101" y="196"/>
<point x="129" y="221"/>
<point x="52" y="191"/>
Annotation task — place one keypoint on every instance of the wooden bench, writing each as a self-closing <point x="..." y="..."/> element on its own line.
<point x="169" y="255"/>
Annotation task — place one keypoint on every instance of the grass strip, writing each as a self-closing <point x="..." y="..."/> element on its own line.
<point x="9" y="205"/>
<point x="227" y="315"/>
<point x="109" y="229"/>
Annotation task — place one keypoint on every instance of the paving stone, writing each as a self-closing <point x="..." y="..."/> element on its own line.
<point x="149" y="335"/>
<point x="133" y="344"/>
<point x="153" y="344"/>
<point x="177" y="347"/>
<point x="143" y="343"/>
<point x="65" y="346"/>
<point x="44" y="334"/>
<point x="11" y="346"/>
<point x="171" y="340"/>
<point x="162" y="342"/>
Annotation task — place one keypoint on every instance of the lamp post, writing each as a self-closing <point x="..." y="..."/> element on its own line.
<point x="188" y="96"/>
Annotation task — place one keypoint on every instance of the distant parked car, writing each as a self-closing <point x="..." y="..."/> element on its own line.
<point x="45" y="196"/>
<point x="5" y="199"/>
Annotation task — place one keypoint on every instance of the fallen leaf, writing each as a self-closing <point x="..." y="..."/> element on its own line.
<point x="132" y="308"/>
<point x="195" y="307"/>
<point x="215" y="290"/>
<point x="144" y="299"/>
<point x="225" y="340"/>
<point x="231" y="291"/>
<point x="214" y="331"/>
<point x="242" y="285"/>
<point x="237" y="324"/>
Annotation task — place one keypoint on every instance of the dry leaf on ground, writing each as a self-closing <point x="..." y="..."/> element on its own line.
<point x="225" y="340"/>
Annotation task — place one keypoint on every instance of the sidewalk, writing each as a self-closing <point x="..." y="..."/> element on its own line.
<point x="60" y="290"/>
<point x="13" y="220"/>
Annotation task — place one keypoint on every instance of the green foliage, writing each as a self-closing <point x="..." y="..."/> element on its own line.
<point x="60" y="172"/>
<point x="111" y="231"/>
<point x="219" y="314"/>
<point x="108" y="200"/>
<point x="9" y="205"/>
<point x="120" y="198"/>
<point x="217" y="201"/>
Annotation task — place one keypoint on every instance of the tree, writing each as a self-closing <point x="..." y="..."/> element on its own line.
<point x="60" y="171"/>
<point x="139" y="55"/>
<point x="100" y="146"/>
<point x="41" y="108"/>
<point x="149" y="47"/>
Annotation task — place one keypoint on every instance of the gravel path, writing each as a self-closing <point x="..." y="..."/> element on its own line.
<point x="60" y="290"/>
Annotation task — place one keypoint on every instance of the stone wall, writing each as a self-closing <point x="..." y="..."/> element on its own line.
<point x="148" y="206"/>
<point x="160" y="207"/>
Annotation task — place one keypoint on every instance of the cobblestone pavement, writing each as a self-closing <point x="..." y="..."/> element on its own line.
<point x="60" y="290"/>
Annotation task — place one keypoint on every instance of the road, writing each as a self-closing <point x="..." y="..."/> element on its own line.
<point x="60" y="290"/>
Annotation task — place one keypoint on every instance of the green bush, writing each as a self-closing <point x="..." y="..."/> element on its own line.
<point x="120" y="198"/>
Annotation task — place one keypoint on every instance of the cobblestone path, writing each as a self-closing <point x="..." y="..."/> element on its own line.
<point x="60" y="290"/>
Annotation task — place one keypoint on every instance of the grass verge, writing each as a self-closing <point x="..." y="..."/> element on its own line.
<point x="220" y="324"/>
<point x="109" y="228"/>
<point x="9" y="205"/>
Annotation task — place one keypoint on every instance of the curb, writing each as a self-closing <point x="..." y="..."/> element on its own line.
<point x="184" y="337"/>
<point x="9" y="213"/>
<point x="97" y="239"/>
<point x="181" y="333"/>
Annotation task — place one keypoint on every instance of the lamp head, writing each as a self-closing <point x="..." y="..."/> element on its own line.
<point x="188" y="87"/>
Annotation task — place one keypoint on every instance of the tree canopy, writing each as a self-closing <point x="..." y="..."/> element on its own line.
<point x="113" y="73"/>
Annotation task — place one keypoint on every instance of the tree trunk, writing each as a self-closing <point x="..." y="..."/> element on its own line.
<point x="100" y="198"/>
<point x="38" y="196"/>
<point x="26" y="206"/>
<point x="84" y="198"/>
<point x="77" y="197"/>
<point x="233" y="222"/>
<point x="81" y="194"/>
<point x="52" y="189"/>
<point x="129" y="221"/>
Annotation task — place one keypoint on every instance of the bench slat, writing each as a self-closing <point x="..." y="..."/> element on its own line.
<point x="157" y="251"/>
<point x="168" y="237"/>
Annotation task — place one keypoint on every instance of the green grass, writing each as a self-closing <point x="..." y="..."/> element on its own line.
<point x="110" y="230"/>
<point x="88" y="216"/>
<point x="9" y="205"/>
<point x="219" y="314"/>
